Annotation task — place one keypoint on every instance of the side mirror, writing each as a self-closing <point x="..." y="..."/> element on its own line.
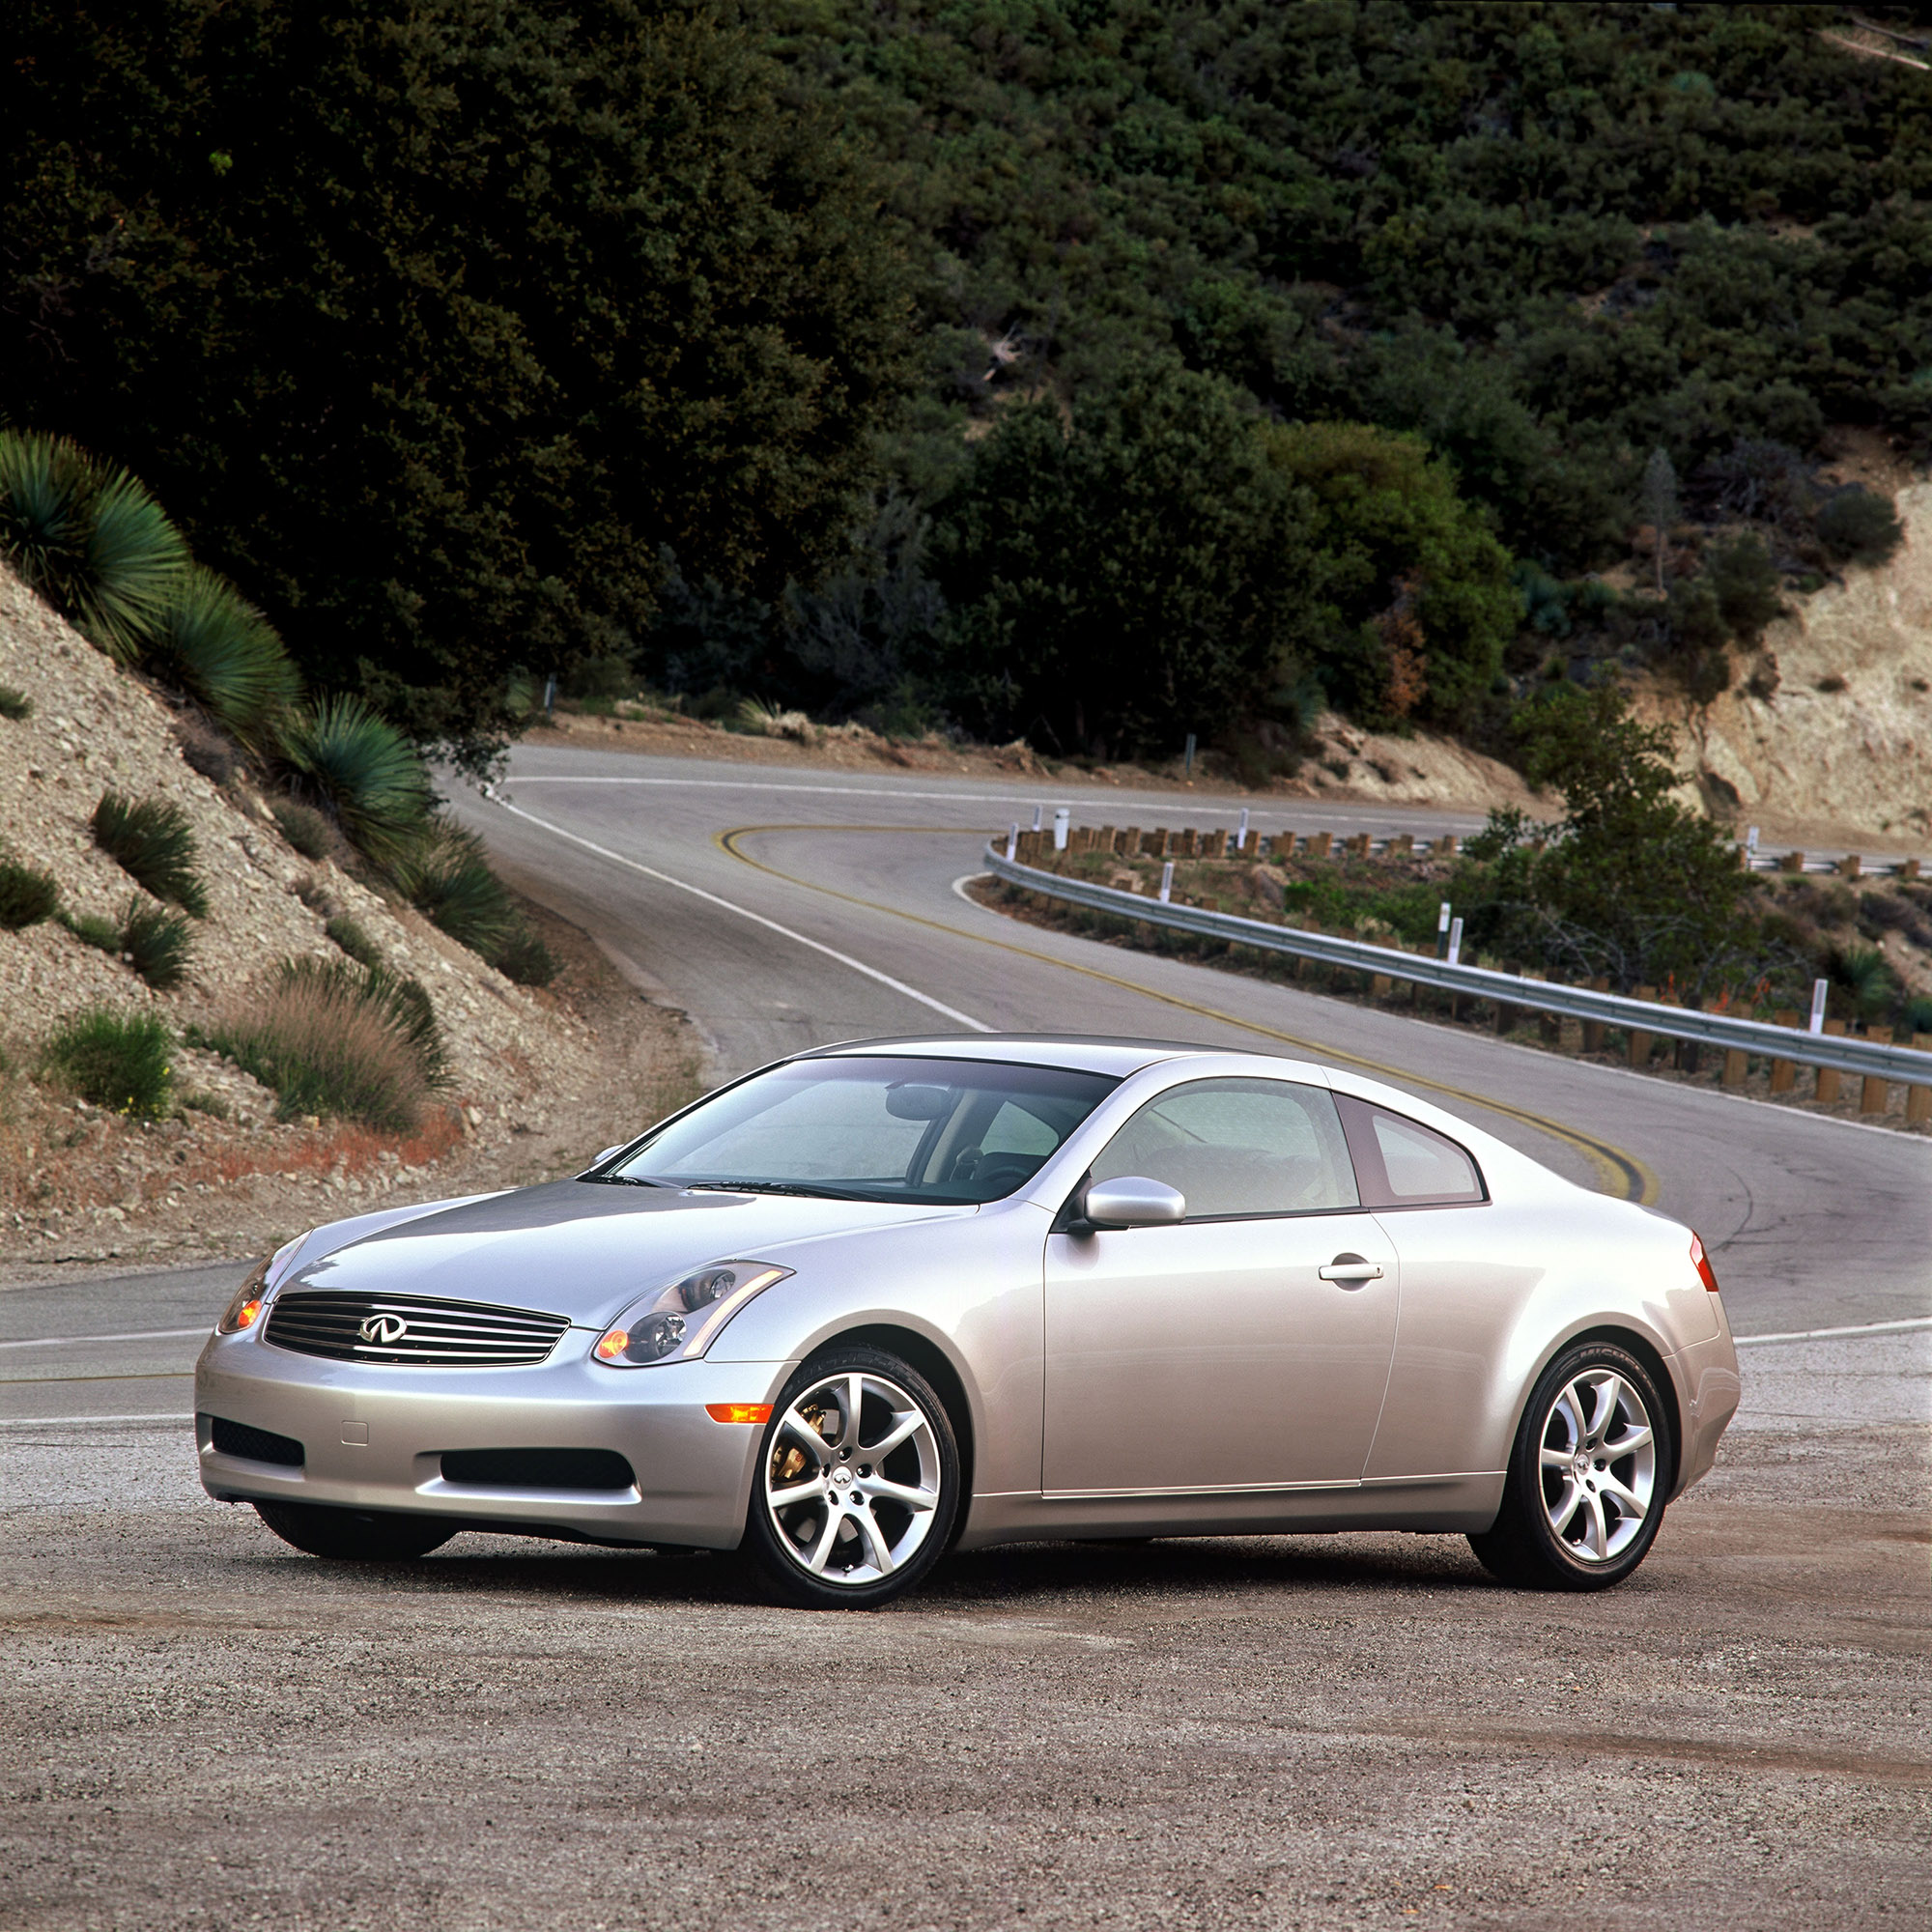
<point x="1133" y="1201"/>
<point x="608" y="1151"/>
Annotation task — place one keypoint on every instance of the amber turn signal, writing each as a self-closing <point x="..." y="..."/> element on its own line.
<point x="245" y="1316"/>
<point x="739" y="1412"/>
<point x="612" y="1346"/>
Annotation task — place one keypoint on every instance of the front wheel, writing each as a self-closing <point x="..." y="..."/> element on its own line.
<point x="356" y="1536"/>
<point x="857" y="1484"/>
<point x="1587" y="1477"/>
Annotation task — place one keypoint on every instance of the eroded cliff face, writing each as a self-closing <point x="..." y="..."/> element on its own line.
<point x="1828" y="736"/>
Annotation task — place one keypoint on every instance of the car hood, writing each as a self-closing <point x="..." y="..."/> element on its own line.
<point x="583" y="1249"/>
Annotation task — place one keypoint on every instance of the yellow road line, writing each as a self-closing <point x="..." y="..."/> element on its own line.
<point x="1621" y="1171"/>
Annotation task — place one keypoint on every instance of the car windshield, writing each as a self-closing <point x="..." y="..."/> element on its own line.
<point x="873" y="1129"/>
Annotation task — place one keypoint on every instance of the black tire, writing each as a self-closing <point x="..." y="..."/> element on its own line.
<point x="1531" y="1545"/>
<point x="856" y="1519"/>
<point x="356" y="1536"/>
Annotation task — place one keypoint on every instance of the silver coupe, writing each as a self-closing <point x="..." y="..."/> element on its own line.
<point x="887" y="1299"/>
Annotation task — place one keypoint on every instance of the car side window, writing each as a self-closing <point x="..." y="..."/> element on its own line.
<point x="1239" y="1148"/>
<point x="1403" y="1164"/>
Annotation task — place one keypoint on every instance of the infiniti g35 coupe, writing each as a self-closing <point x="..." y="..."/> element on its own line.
<point x="887" y="1299"/>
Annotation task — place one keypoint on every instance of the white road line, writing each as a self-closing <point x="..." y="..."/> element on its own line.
<point x="82" y="1421"/>
<point x="1829" y="1334"/>
<point x="745" y="912"/>
<point x="132" y="1335"/>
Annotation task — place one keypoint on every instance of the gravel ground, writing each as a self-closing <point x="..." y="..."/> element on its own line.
<point x="202" y="1728"/>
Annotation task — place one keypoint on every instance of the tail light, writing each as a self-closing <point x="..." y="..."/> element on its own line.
<point x="1701" y="1262"/>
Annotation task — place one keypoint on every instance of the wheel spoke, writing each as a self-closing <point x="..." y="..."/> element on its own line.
<point x="1565" y="1506"/>
<point x="905" y="1426"/>
<point x="811" y="1490"/>
<point x="1569" y="1406"/>
<point x="1554" y="1459"/>
<point x="1625" y="1500"/>
<point x="799" y="1426"/>
<point x="875" y="1542"/>
<point x="1610" y="1391"/>
<point x="1595" y="1533"/>
<point x="883" y="1492"/>
<point x="1637" y="1437"/>
<point x="821" y="1551"/>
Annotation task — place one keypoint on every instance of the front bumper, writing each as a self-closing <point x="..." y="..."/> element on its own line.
<point x="373" y="1437"/>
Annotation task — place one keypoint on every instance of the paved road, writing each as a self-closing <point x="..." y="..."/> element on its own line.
<point x="199" y="1727"/>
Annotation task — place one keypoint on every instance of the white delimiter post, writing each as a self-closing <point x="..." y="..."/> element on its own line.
<point x="1241" y="837"/>
<point x="1062" y="818"/>
<point x="1455" y="941"/>
<point x="1166" y="881"/>
<point x="1820" y="989"/>
<point x="1013" y="841"/>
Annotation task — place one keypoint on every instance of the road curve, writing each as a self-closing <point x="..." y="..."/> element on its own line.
<point x="784" y="912"/>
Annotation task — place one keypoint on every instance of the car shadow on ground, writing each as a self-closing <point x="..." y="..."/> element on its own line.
<point x="1026" y="1576"/>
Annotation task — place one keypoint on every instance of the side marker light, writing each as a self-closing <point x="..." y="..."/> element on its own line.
<point x="1701" y="1262"/>
<point x="612" y="1346"/>
<point x="249" y="1313"/>
<point x="754" y="1412"/>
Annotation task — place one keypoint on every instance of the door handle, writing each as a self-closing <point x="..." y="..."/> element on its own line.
<point x="1351" y="1271"/>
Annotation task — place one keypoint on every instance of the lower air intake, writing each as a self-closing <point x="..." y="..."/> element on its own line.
<point x="537" y="1469"/>
<point x="254" y="1446"/>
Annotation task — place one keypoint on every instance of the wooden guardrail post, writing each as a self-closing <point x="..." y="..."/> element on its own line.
<point x="1908" y="868"/>
<point x="1402" y="845"/>
<point x="1828" y="1077"/>
<point x="1639" y="1039"/>
<point x="1320" y="844"/>
<point x="1784" y="1072"/>
<point x="1216" y="844"/>
<point x="1737" y="1065"/>
<point x="1877" y="1090"/>
<point x="1593" y="1030"/>
<point x="1792" y="862"/>
<point x="1850" y="867"/>
<point x="1919" y="1100"/>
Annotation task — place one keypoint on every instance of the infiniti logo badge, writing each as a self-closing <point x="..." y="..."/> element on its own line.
<point x="383" y="1328"/>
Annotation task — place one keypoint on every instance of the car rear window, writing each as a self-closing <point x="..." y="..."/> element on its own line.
<point x="1400" y="1163"/>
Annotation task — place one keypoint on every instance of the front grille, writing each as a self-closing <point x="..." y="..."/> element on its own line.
<point x="537" y="1469"/>
<point x="410" y="1328"/>
<point x="258" y="1445"/>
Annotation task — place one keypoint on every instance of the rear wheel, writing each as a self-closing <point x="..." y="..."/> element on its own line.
<point x="1587" y="1477"/>
<point x="356" y="1536"/>
<point x="857" y="1484"/>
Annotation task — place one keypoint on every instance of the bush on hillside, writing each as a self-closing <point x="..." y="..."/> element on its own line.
<point x="527" y="959"/>
<point x="445" y="874"/>
<point x="366" y="771"/>
<point x="328" y="1040"/>
<point x="89" y="538"/>
<point x="14" y="704"/>
<point x="94" y="929"/>
<point x="1858" y="527"/>
<point x="305" y="829"/>
<point x="121" y="1061"/>
<point x="154" y="844"/>
<point x="156" y="944"/>
<point x="27" y="895"/>
<point x="208" y="640"/>
<point x="348" y="937"/>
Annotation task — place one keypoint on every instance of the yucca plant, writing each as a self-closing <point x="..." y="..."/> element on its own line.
<point x="89" y="538"/>
<point x="156" y="944"/>
<point x="365" y="769"/>
<point x="154" y="844"/>
<point x="210" y="640"/>
<point x="443" y="875"/>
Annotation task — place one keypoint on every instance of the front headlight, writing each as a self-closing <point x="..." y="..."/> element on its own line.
<point x="246" y="1309"/>
<point x="679" y="1322"/>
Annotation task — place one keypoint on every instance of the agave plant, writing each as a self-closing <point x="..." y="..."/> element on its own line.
<point x="365" y="769"/>
<point x="207" y="638"/>
<point x="89" y="538"/>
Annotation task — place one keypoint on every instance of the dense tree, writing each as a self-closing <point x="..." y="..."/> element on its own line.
<point x="436" y="322"/>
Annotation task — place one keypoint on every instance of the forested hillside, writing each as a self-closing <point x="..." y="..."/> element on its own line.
<point x="1092" y="372"/>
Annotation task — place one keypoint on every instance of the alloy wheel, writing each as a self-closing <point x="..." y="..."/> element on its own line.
<point x="852" y="1479"/>
<point x="1597" y="1465"/>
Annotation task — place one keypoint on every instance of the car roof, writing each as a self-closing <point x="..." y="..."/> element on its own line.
<point x="1083" y="1053"/>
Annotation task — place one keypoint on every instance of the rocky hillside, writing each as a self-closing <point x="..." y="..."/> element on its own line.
<point x="79" y="1181"/>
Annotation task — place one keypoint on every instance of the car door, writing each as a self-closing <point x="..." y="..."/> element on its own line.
<point x="1246" y="1345"/>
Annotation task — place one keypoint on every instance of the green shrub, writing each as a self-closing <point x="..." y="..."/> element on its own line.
<point x="92" y="929"/>
<point x="89" y="539"/>
<point x="14" y="704"/>
<point x="217" y="647"/>
<point x="1858" y="527"/>
<point x="443" y="875"/>
<point x="153" y="843"/>
<point x="349" y="938"/>
<point x="156" y="945"/>
<point x="364" y="767"/>
<point x="27" y="895"/>
<point x="305" y="828"/>
<point x="527" y="959"/>
<point x="327" y="1038"/>
<point x="115" y="1060"/>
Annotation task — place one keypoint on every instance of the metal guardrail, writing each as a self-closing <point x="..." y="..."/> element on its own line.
<point x="1845" y="1053"/>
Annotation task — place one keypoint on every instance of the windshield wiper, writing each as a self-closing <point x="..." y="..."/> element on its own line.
<point x="631" y="1181"/>
<point x="800" y="1187"/>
